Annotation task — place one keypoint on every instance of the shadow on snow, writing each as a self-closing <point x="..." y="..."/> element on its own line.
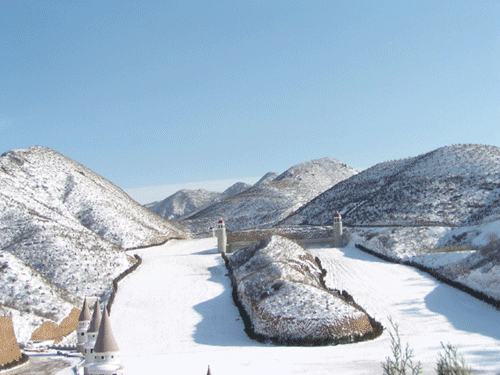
<point x="221" y="323"/>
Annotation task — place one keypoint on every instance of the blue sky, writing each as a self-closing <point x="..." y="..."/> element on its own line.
<point x="174" y="92"/>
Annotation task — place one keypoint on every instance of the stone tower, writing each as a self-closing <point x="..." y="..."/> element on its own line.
<point x="337" y="230"/>
<point x="83" y="325"/>
<point x="92" y="332"/>
<point x="221" y="236"/>
<point x="106" y="359"/>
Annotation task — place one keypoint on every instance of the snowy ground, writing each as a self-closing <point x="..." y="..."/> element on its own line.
<point x="175" y="313"/>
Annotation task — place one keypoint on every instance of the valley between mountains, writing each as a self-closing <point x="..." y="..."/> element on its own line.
<point x="188" y="321"/>
<point x="67" y="233"/>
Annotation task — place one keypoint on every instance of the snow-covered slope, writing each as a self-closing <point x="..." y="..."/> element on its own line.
<point x="65" y="225"/>
<point x="265" y="204"/>
<point x="188" y="321"/>
<point x="453" y="185"/>
<point x="185" y="202"/>
<point x="279" y="286"/>
<point x="267" y="178"/>
<point x="234" y="189"/>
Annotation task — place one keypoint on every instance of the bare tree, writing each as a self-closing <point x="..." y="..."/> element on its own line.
<point x="401" y="362"/>
<point x="451" y="363"/>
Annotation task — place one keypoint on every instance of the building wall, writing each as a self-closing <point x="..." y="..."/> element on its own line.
<point x="9" y="349"/>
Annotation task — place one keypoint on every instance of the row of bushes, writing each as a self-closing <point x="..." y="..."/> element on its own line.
<point x="120" y="277"/>
<point x="23" y="359"/>
<point x="432" y="272"/>
<point x="306" y="341"/>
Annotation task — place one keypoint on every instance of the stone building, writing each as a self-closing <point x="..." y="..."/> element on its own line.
<point x="106" y="355"/>
<point x="102" y="355"/>
<point x="83" y="325"/>
<point x="91" y="337"/>
<point x="338" y="235"/>
<point x="221" y="237"/>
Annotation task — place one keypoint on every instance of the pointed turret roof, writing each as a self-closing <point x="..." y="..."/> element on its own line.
<point x="105" y="341"/>
<point x="85" y="313"/>
<point x="208" y="372"/>
<point x="96" y="318"/>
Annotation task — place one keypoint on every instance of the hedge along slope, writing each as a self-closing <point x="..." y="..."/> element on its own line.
<point x="279" y="287"/>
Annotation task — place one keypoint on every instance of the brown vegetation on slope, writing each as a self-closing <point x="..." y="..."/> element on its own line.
<point x="9" y="349"/>
<point x="52" y="331"/>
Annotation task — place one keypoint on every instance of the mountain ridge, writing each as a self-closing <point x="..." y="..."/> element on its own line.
<point x="265" y="204"/>
<point x="452" y="185"/>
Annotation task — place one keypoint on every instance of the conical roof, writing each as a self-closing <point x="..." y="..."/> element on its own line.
<point x="105" y="341"/>
<point x="208" y="372"/>
<point x="85" y="313"/>
<point x="96" y="318"/>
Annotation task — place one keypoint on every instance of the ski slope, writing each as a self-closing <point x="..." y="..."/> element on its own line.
<point x="175" y="315"/>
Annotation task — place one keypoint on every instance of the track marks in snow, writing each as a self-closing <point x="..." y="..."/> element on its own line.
<point x="175" y="312"/>
<point x="426" y="311"/>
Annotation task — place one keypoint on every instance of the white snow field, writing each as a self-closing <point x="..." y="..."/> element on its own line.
<point x="175" y="315"/>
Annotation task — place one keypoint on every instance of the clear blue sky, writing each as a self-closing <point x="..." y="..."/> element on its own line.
<point x="170" y="92"/>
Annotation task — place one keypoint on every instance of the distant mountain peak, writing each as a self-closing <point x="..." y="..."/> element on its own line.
<point x="266" y="203"/>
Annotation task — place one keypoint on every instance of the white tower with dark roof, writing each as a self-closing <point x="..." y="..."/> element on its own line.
<point x="83" y="325"/>
<point x="221" y="236"/>
<point x="92" y="333"/>
<point x="106" y="351"/>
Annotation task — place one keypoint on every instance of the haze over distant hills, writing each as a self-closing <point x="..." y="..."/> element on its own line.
<point x="272" y="198"/>
<point x="185" y="202"/>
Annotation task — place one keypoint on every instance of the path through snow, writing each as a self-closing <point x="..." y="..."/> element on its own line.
<point x="175" y="313"/>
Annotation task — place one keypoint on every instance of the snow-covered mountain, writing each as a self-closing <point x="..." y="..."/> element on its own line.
<point x="266" y="203"/>
<point x="185" y="202"/>
<point x="64" y="230"/>
<point x="267" y="178"/>
<point x="454" y="185"/>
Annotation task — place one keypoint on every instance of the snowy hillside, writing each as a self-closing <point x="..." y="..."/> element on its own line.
<point x="65" y="226"/>
<point x="186" y="202"/>
<point x="264" y="204"/>
<point x="453" y="185"/>
<point x="183" y="203"/>
<point x="31" y="298"/>
<point x="279" y="285"/>
<point x="267" y="178"/>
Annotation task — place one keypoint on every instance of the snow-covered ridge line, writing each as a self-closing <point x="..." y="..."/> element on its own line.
<point x="454" y="185"/>
<point x="282" y="297"/>
<point x="265" y="204"/>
